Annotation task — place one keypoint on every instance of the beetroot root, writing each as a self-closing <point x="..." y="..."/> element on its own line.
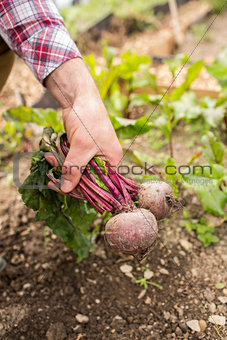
<point x="132" y="232"/>
<point x="158" y="198"/>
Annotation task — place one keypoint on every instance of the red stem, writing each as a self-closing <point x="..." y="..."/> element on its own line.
<point x="107" y="181"/>
<point x="96" y="206"/>
<point x="105" y="205"/>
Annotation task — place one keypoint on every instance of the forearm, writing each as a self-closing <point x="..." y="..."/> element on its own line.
<point x="71" y="82"/>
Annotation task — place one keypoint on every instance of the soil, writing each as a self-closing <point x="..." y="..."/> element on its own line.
<point x="43" y="288"/>
<point x="118" y="31"/>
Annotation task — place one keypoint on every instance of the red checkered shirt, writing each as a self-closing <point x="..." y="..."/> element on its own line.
<point x="35" y="30"/>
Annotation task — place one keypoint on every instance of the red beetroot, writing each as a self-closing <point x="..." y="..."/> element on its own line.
<point x="158" y="198"/>
<point x="132" y="232"/>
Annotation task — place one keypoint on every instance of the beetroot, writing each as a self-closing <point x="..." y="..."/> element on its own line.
<point x="132" y="232"/>
<point x="158" y="198"/>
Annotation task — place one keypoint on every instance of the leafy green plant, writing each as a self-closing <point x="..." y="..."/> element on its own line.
<point x="169" y="107"/>
<point x="42" y="117"/>
<point x="209" y="181"/>
<point x="142" y="281"/>
<point x="72" y="222"/>
<point x="174" y="63"/>
<point x="220" y="285"/>
<point x="12" y="137"/>
<point x="219" y="68"/>
<point x="116" y="82"/>
<point x="204" y="232"/>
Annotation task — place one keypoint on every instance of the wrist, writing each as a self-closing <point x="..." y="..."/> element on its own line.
<point x="69" y="82"/>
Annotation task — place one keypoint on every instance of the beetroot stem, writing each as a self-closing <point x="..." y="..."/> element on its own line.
<point x="96" y="206"/>
<point x="105" y="205"/>
<point x="107" y="181"/>
<point x="103" y="194"/>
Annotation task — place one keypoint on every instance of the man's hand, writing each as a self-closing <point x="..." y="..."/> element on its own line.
<point x="86" y="121"/>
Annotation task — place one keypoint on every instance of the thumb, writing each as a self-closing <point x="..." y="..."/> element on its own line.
<point x="73" y="167"/>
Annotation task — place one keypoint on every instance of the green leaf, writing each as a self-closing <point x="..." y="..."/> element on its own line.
<point x="69" y="218"/>
<point x="138" y="99"/>
<point x="187" y="107"/>
<point x="220" y="285"/>
<point x="186" y="213"/>
<point x="117" y="101"/>
<point x="213" y="111"/>
<point x="219" y="68"/>
<point x="141" y="158"/>
<point x="174" y="63"/>
<point x="219" y="72"/>
<point x="132" y="63"/>
<point x="108" y="53"/>
<point x="163" y="123"/>
<point x="147" y="79"/>
<point x="192" y="73"/>
<point x="81" y="213"/>
<point x="207" y="239"/>
<point x="155" y="285"/>
<point x="107" y="79"/>
<point x="213" y="151"/>
<point x="130" y="128"/>
<point x="42" y="117"/>
<point x="211" y="196"/>
<point x="171" y="174"/>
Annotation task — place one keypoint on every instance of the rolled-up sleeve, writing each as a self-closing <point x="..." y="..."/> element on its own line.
<point x="35" y="31"/>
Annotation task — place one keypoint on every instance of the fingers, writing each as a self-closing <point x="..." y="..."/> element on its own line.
<point x="51" y="159"/>
<point x="73" y="167"/>
<point x="115" y="155"/>
<point x="52" y="186"/>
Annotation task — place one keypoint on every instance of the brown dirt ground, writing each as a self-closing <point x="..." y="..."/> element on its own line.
<point x="43" y="285"/>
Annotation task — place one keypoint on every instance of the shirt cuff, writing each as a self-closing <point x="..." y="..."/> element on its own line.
<point x="47" y="49"/>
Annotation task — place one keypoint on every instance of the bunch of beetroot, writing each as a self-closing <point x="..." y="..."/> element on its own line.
<point x="133" y="228"/>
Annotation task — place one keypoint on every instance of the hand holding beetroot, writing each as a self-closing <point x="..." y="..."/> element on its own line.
<point x="133" y="228"/>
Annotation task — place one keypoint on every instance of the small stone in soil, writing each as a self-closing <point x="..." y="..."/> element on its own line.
<point x="193" y="325"/>
<point x="212" y="307"/>
<point x="209" y="295"/>
<point x="148" y="274"/>
<point x="222" y="299"/>
<point x="164" y="271"/>
<point x="27" y="286"/>
<point x="185" y="244"/>
<point x="125" y="268"/>
<point x="82" y="318"/>
<point x="141" y="294"/>
<point x="202" y="325"/>
<point x="178" y="331"/>
<point x="148" y="300"/>
<point x="217" y="320"/>
<point x="56" y="332"/>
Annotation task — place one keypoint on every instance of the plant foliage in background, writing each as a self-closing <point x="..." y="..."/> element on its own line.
<point x="123" y="84"/>
<point x="78" y="18"/>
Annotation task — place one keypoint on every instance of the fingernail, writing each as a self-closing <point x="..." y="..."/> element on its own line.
<point x="67" y="186"/>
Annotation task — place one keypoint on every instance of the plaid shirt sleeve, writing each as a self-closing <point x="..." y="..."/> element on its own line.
<point x="35" y="30"/>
